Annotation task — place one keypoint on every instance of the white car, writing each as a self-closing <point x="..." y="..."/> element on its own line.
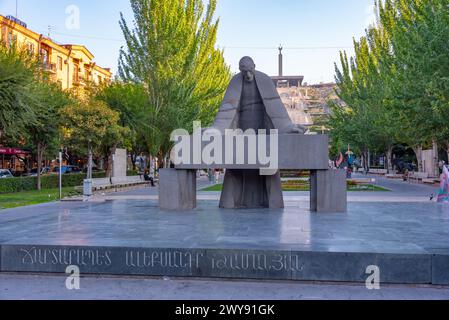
<point x="5" y="174"/>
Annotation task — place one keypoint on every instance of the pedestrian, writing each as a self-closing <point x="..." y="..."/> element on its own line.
<point x="217" y="175"/>
<point x="443" y="196"/>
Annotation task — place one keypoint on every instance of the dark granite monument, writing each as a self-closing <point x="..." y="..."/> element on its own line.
<point x="252" y="102"/>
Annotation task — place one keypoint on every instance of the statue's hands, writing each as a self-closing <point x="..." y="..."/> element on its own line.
<point x="295" y="129"/>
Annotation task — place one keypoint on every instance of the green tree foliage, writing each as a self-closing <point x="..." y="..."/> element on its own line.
<point x="47" y="99"/>
<point x="170" y="51"/>
<point x="395" y="88"/>
<point x="29" y="103"/>
<point x="17" y="76"/>
<point x="90" y="126"/>
<point x="130" y="101"/>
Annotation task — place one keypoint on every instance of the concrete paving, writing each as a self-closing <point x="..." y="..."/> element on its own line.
<point x="49" y="287"/>
<point x="401" y="221"/>
<point x="366" y="227"/>
<point x="400" y="192"/>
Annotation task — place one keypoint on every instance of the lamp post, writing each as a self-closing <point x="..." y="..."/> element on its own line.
<point x="60" y="174"/>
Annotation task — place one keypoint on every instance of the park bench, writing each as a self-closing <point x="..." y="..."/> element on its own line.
<point x="363" y="181"/>
<point x="418" y="176"/>
<point x="395" y="176"/>
<point x="103" y="184"/>
<point x="381" y="172"/>
<point x="431" y="181"/>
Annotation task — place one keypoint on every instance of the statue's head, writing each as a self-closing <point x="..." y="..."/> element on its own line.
<point x="247" y="67"/>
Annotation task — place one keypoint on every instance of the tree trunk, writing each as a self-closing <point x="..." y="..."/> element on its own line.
<point x="133" y="160"/>
<point x="365" y="154"/>
<point x="40" y="155"/>
<point x="447" y="150"/>
<point x="90" y="161"/>
<point x="418" y="153"/>
<point x="388" y="159"/>
<point x="436" y="170"/>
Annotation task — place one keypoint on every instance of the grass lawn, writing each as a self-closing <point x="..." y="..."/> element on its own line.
<point x="27" y="198"/>
<point x="293" y="186"/>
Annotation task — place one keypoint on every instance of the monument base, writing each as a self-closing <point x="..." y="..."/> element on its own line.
<point x="328" y="191"/>
<point x="177" y="189"/>
<point x="137" y="238"/>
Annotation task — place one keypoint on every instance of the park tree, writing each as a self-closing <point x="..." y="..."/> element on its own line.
<point x="130" y="101"/>
<point x="171" y="53"/>
<point x="395" y="88"/>
<point x="365" y="119"/>
<point x="419" y="31"/>
<point x="17" y="75"/>
<point x="88" y="125"/>
<point x="47" y="99"/>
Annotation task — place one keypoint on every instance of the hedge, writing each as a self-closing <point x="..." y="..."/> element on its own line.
<point x="11" y="185"/>
<point x="132" y="173"/>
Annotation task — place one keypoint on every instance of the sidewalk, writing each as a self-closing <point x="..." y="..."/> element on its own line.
<point x="400" y="191"/>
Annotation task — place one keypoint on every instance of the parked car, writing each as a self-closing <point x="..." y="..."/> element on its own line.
<point x="4" y="173"/>
<point x="67" y="169"/>
<point x="33" y="172"/>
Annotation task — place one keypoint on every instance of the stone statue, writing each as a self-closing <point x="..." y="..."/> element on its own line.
<point x="252" y="102"/>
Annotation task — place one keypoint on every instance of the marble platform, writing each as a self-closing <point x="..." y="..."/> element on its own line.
<point x="409" y="242"/>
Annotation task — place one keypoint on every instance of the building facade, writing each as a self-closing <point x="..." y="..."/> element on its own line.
<point x="71" y="66"/>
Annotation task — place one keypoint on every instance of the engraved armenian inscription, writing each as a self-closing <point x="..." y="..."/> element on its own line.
<point x="148" y="261"/>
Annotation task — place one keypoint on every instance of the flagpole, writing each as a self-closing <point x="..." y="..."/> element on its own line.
<point x="16" y="9"/>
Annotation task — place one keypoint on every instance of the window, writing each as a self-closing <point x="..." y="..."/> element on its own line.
<point x="45" y="56"/>
<point x="30" y="47"/>
<point x="12" y="39"/>
<point x="59" y="63"/>
<point x="76" y="73"/>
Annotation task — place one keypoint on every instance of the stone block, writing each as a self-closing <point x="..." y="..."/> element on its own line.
<point x="295" y="152"/>
<point x="120" y="163"/>
<point x="247" y="264"/>
<point x="440" y="269"/>
<point x="352" y="267"/>
<point x="328" y="191"/>
<point x="103" y="260"/>
<point x="177" y="189"/>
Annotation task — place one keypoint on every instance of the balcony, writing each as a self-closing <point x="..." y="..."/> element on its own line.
<point x="79" y="80"/>
<point x="49" y="67"/>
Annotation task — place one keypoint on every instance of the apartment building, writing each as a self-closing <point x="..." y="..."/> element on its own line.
<point x="70" y="65"/>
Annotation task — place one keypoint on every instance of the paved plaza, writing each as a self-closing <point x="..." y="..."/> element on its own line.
<point x="51" y="287"/>
<point x="367" y="227"/>
<point x="401" y="231"/>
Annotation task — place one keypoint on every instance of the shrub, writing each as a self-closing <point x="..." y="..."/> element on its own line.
<point x="51" y="181"/>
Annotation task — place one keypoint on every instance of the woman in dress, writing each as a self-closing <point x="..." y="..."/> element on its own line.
<point x="443" y="196"/>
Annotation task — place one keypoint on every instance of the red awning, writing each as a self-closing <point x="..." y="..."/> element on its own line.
<point x="12" y="151"/>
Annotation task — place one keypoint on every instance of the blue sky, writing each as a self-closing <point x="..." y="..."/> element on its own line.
<point x="311" y="31"/>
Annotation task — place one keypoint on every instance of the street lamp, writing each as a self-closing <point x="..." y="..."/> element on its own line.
<point x="60" y="174"/>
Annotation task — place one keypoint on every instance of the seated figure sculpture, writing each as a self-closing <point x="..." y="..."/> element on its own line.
<point x="252" y="102"/>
